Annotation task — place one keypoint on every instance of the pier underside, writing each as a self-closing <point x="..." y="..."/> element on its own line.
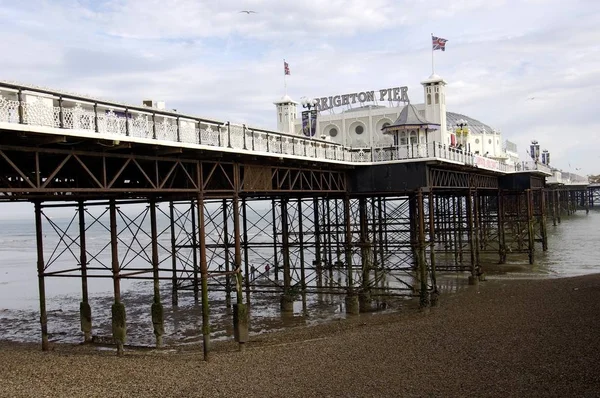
<point x="246" y="226"/>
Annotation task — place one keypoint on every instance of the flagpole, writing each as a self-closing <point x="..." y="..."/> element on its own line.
<point x="284" y="79"/>
<point x="431" y="44"/>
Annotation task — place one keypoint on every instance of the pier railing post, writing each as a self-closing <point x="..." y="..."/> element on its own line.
<point x="39" y="236"/>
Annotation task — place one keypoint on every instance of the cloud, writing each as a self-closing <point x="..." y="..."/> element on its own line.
<point x="206" y="58"/>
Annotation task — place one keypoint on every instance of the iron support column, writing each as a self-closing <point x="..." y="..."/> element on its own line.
<point x="203" y="277"/>
<point x="41" y="269"/>
<point x="157" y="307"/>
<point x="421" y="262"/>
<point x="352" y="305"/>
<point x="119" y="328"/>
<point x="174" y="299"/>
<point x="435" y="293"/>
<point x="470" y="238"/>
<point x="287" y="298"/>
<point x="85" y="311"/>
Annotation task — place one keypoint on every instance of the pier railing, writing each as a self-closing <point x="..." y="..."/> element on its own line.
<point x="80" y="115"/>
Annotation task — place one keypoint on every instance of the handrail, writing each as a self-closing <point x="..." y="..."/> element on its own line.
<point x="30" y="105"/>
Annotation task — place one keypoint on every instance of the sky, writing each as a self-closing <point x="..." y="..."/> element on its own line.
<point x="529" y="68"/>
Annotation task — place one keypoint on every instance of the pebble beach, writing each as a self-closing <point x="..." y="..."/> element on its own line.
<point x="503" y="338"/>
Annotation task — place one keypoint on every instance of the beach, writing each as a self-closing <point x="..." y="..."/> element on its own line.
<point x="533" y="337"/>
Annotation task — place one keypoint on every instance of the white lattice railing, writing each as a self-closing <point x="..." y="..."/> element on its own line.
<point x="54" y="111"/>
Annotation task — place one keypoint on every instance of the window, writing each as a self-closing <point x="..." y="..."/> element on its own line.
<point x="385" y="125"/>
<point x="333" y="132"/>
<point x="490" y="141"/>
<point x="403" y="138"/>
<point x="359" y="129"/>
<point x="428" y="99"/>
<point x="437" y="98"/>
<point x="477" y="140"/>
<point x="280" y="118"/>
<point x="413" y="137"/>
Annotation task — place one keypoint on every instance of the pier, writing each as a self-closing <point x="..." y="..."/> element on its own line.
<point x="205" y="206"/>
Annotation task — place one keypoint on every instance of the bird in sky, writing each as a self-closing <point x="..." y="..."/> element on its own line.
<point x="248" y="12"/>
<point x="531" y="98"/>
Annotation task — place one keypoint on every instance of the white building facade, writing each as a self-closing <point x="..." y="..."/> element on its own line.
<point x="361" y="126"/>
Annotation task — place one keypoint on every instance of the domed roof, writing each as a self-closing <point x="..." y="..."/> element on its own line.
<point x="434" y="79"/>
<point x="286" y="99"/>
<point x="475" y="126"/>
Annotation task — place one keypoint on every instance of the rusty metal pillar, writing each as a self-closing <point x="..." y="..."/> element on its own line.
<point x="352" y="304"/>
<point x="364" y="298"/>
<point x="85" y="311"/>
<point x="226" y="255"/>
<point x="476" y="231"/>
<point x="119" y="327"/>
<point x="245" y="248"/>
<point x="158" y="319"/>
<point x="543" y="221"/>
<point x="530" y="225"/>
<point x="558" y="204"/>
<point x="287" y="298"/>
<point x="301" y="246"/>
<point x="39" y="237"/>
<point x="413" y="226"/>
<point x="174" y="298"/>
<point x="421" y="259"/>
<point x="380" y="230"/>
<point x="432" y="207"/>
<point x="553" y="196"/>
<point x="470" y="237"/>
<point x="275" y="249"/>
<point x="240" y="311"/>
<point x="203" y="276"/>
<point x="196" y="286"/>
<point x="318" y="261"/>
<point x="501" y="235"/>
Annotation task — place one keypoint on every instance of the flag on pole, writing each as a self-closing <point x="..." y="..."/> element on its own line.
<point x="438" y="43"/>
<point x="286" y="68"/>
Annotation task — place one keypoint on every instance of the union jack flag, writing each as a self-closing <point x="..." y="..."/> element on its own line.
<point x="286" y="68"/>
<point x="438" y="43"/>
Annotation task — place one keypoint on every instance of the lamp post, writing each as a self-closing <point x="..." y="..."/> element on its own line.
<point x="534" y="151"/>
<point x="309" y="118"/>
<point x="546" y="157"/>
<point x="462" y="131"/>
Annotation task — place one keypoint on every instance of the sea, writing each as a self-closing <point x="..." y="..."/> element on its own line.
<point x="573" y="251"/>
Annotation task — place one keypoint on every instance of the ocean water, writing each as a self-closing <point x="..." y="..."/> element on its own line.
<point x="573" y="250"/>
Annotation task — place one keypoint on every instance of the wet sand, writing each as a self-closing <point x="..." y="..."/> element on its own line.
<point x="502" y="338"/>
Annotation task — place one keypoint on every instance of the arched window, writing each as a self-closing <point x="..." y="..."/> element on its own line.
<point x="413" y="137"/>
<point x="437" y="98"/>
<point x="403" y="140"/>
<point x="428" y="99"/>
